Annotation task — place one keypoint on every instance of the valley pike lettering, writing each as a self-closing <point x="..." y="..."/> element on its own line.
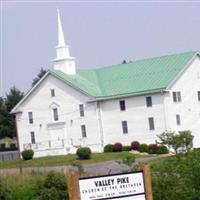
<point x="109" y="182"/>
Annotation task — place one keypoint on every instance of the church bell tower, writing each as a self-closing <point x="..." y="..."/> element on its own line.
<point x="63" y="61"/>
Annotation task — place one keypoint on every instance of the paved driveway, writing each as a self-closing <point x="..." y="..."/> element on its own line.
<point x="109" y="167"/>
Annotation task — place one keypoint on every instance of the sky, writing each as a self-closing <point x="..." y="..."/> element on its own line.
<point x="100" y="33"/>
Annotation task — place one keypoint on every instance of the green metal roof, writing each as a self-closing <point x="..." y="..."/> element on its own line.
<point x="138" y="77"/>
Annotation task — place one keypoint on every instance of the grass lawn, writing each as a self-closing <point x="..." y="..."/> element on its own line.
<point x="66" y="160"/>
<point x="158" y="160"/>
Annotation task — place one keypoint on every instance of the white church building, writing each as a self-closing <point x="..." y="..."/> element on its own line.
<point x="69" y="108"/>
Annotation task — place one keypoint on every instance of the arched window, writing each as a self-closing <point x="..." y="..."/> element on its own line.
<point x="54" y="111"/>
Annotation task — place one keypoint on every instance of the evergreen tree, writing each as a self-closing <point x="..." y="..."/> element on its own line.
<point x="39" y="76"/>
<point x="12" y="98"/>
<point x="7" y="121"/>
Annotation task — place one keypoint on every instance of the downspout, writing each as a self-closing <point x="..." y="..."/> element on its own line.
<point x="164" y="111"/>
<point x="100" y="125"/>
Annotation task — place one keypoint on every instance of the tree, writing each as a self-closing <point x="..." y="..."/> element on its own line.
<point x="4" y="119"/>
<point x="124" y="62"/>
<point x="39" y="76"/>
<point x="181" y="141"/>
<point x="187" y="138"/>
<point x="13" y="97"/>
<point x="7" y="121"/>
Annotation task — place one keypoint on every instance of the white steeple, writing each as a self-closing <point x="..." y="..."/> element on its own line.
<point x="63" y="62"/>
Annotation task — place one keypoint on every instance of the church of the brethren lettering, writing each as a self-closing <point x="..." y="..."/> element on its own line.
<point x="106" y="187"/>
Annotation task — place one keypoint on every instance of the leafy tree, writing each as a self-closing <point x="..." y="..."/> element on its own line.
<point x="187" y="138"/>
<point x="39" y="76"/>
<point x="181" y="141"/>
<point x="7" y="122"/>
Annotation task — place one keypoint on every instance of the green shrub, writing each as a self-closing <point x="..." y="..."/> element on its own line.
<point x="153" y="148"/>
<point x="27" y="154"/>
<point x="117" y="147"/>
<point x="53" y="187"/>
<point x="108" y="148"/>
<point x="162" y="149"/>
<point x="143" y="148"/>
<point x="129" y="159"/>
<point x="126" y="148"/>
<point x="135" y="145"/>
<point x="84" y="153"/>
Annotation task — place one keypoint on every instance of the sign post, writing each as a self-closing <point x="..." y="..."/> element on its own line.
<point x="129" y="186"/>
<point x="73" y="186"/>
<point x="147" y="182"/>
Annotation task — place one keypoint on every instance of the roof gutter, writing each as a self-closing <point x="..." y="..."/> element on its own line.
<point x="159" y="90"/>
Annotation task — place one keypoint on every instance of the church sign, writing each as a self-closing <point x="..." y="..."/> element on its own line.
<point x="126" y="186"/>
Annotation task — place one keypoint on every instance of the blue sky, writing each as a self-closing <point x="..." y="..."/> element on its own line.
<point x="100" y="33"/>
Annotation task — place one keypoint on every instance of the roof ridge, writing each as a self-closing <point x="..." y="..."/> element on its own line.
<point x="138" y="60"/>
<point x="145" y="59"/>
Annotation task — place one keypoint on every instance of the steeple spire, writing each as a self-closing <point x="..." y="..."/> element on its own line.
<point x="63" y="62"/>
<point x="61" y="39"/>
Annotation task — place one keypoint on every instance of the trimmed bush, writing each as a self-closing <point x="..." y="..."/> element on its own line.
<point x="117" y="147"/>
<point x="135" y="145"/>
<point x="27" y="154"/>
<point x="108" y="148"/>
<point x="126" y="148"/>
<point x="143" y="148"/>
<point x="83" y="153"/>
<point x="153" y="148"/>
<point x="162" y="149"/>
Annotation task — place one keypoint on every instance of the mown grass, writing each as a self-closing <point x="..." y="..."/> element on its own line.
<point x="69" y="159"/>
